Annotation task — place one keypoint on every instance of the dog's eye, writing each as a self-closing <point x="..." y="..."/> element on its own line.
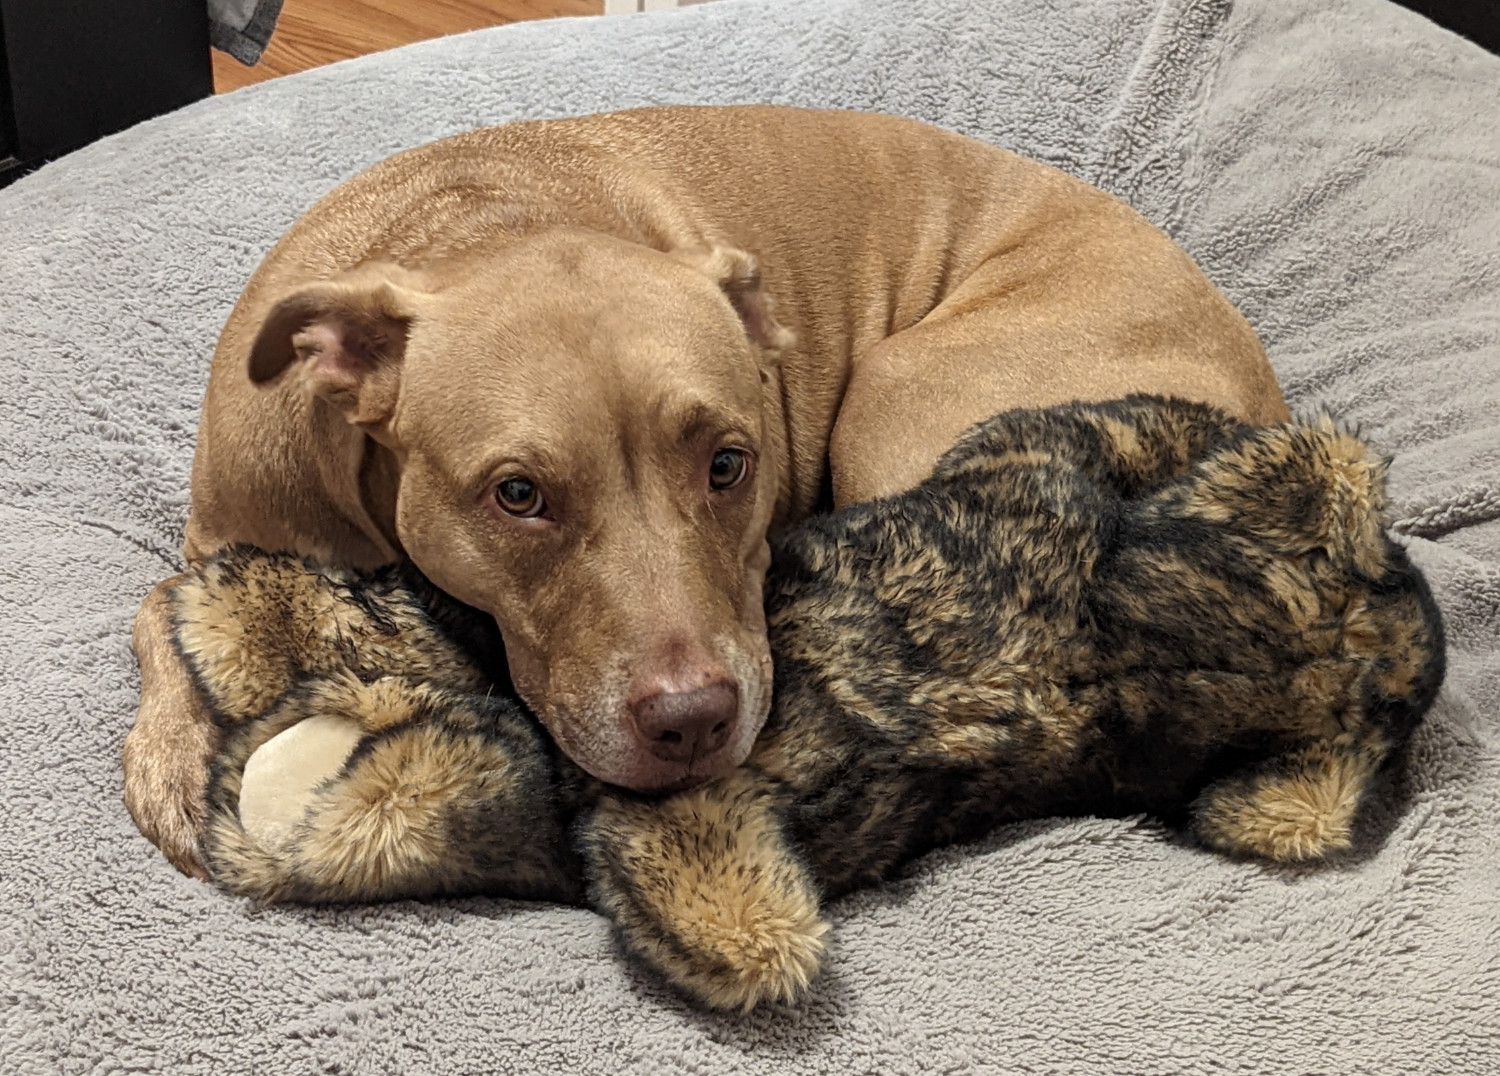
<point x="728" y="468"/>
<point x="519" y="497"/>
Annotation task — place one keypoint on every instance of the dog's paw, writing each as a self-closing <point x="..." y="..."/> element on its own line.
<point x="166" y="783"/>
<point x="704" y="888"/>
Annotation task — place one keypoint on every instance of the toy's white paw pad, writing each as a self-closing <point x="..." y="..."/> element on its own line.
<point x="284" y="772"/>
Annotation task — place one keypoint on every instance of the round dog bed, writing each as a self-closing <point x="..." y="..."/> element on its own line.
<point x="1336" y="170"/>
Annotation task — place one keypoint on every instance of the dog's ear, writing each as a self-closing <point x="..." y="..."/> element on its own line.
<point x="348" y="334"/>
<point x="738" y="274"/>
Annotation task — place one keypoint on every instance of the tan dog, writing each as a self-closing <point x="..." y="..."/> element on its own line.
<point x="544" y="362"/>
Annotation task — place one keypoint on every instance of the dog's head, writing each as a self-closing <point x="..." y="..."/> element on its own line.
<point x="591" y="449"/>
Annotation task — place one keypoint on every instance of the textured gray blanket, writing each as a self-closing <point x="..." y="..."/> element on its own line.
<point x="1336" y="169"/>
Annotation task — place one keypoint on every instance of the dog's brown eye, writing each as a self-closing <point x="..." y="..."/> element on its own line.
<point x="519" y="496"/>
<point x="728" y="467"/>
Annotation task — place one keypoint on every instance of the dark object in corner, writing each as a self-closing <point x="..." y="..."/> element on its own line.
<point x="73" y="71"/>
<point x="1477" y="20"/>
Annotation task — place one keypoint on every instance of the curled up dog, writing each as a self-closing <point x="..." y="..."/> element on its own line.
<point x="1138" y="606"/>
<point x="582" y="372"/>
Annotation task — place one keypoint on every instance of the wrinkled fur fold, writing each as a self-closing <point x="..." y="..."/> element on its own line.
<point x="1113" y="608"/>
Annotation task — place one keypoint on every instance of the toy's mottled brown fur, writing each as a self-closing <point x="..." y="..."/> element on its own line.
<point x="1137" y="606"/>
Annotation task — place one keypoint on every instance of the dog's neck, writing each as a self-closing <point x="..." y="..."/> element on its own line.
<point x="360" y="478"/>
<point x="376" y="480"/>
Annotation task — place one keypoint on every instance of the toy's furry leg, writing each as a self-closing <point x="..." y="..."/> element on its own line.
<point x="381" y="830"/>
<point x="1295" y="807"/>
<point x="703" y="887"/>
<point x="284" y="774"/>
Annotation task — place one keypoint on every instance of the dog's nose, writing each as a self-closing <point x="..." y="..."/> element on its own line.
<point x="679" y="726"/>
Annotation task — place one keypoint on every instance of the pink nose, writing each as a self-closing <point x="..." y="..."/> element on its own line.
<point x="680" y="726"/>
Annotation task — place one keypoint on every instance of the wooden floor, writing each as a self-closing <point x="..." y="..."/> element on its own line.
<point x="315" y="32"/>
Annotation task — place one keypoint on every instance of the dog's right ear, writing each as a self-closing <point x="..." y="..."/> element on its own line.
<point x="738" y="274"/>
<point x="348" y="334"/>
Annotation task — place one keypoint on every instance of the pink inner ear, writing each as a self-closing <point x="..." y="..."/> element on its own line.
<point x="758" y="315"/>
<point x="333" y="363"/>
<point x="758" y="322"/>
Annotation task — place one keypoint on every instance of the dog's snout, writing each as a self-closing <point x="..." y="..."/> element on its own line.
<point x="680" y="726"/>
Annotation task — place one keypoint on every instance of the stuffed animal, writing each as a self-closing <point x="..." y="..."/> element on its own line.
<point x="1137" y="606"/>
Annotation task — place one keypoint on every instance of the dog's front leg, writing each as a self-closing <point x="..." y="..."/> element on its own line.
<point x="704" y="887"/>
<point x="167" y="751"/>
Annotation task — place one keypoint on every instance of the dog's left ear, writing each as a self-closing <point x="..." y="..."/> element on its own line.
<point x="348" y="335"/>
<point x="738" y="274"/>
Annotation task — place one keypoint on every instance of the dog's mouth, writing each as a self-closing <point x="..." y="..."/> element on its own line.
<point x="635" y="768"/>
<point x="654" y="744"/>
<point x="697" y="774"/>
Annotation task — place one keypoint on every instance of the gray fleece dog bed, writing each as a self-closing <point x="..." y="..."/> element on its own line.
<point x="1335" y="167"/>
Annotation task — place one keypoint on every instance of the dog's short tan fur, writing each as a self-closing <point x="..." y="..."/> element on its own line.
<point x="601" y="304"/>
<point x="1134" y="606"/>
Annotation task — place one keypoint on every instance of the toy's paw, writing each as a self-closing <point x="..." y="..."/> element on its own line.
<point x="738" y="949"/>
<point x="282" y="777"/>
<point x="704" y="888"/>
<point x="1297" y="808"/>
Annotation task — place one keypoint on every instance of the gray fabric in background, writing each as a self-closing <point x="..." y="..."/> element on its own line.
<point x="1335" y="167"/>
<point x="242" y="28"/>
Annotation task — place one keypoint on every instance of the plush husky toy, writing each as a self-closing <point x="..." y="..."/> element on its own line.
<point x="1135" y="606"/>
